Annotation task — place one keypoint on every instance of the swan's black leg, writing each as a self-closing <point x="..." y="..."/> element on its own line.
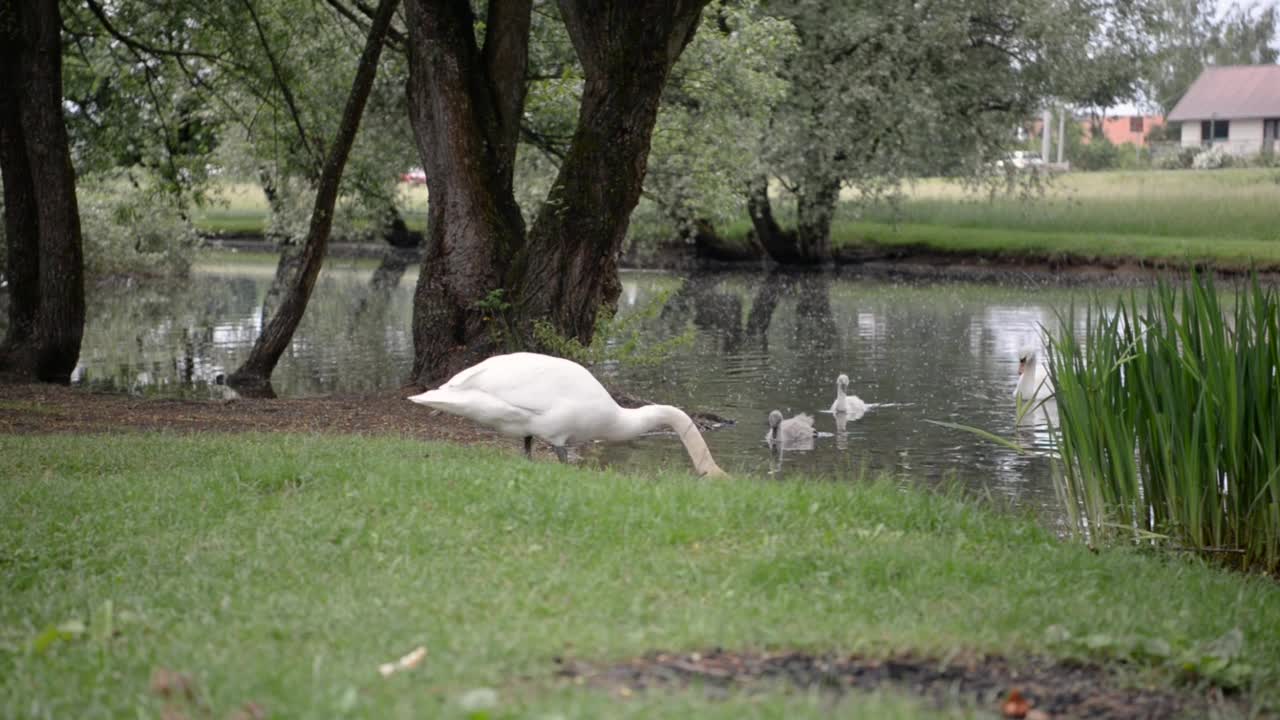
<point x="528" y="446"/>
<point x="562" y="454"/>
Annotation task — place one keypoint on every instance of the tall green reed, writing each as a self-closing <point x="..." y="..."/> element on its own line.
<point x="1169" y="407"/>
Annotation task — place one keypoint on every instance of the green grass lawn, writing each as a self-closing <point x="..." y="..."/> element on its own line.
<point x="1224" y="216"/>
<point x="282" y="570"/>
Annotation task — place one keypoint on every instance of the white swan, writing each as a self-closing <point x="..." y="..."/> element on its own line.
<point x="527" y="395"/>
<point x="851" y="405"/>
<point x="1033" y="380"/>
<point x="791" y="434"/>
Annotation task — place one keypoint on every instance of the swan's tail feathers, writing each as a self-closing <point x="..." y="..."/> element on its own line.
<point x="481" y="407"/>
<point x="432" y="398"/>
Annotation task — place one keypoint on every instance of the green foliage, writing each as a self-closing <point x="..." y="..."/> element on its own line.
<point x="618" y="338"/>
<point x="888" y="91"/>
<point x="716" y="111"/>
<point x="133" y="229"/>
<point x="495" y="310"/>
<point x="1097" y="154"/>
<point x="210" y="558"/>
<point x="1170" y="410"/>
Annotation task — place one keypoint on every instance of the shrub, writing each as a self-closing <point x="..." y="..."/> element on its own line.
<point x="1212" y="158"/>
<point x="133" y="231"/>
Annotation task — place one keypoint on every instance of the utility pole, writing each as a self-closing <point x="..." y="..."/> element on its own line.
<point x="1045" y="119"/>
<point x="1062" y="132"/>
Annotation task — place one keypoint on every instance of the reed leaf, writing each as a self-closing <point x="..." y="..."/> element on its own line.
<point x="1169" y="403"/>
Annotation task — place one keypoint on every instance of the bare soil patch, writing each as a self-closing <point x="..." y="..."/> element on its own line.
<point x="1047" y="689"/>
<point x="43" y="409"/>
<point x="37" y="409"/>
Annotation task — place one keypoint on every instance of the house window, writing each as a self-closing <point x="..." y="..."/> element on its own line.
<point x="1135" y="124"/>
<point x="1211" y="130"/>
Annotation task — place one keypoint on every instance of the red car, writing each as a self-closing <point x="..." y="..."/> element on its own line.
<point x="415" y="176"/>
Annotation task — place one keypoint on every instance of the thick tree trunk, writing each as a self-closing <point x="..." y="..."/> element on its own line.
<point x="815" y="208"/>
<point x="464" y="106"/>
<point x="627" y="52"/>
<point x="483" y="283"/>
<point x="42" y="220"/>
<point x="22" y="269"/>
<point x="810" y="242"/>
<point x="254" y="376"/>
<point x="779" y="244"/>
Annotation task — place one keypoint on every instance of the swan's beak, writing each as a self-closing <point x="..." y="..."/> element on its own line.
<point x="1022" y="365"/>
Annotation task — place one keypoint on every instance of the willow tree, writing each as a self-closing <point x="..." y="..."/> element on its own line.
<point x="45" y="264"/>
<point x="486" y="278"/>
<point x="887" y="90"/>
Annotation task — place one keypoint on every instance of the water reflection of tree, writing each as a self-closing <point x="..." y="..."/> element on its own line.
<point x="371" y="304"/>
<point x="719" y="311"/>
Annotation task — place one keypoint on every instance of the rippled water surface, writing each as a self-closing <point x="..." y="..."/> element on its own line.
<point x="914" y="351"/>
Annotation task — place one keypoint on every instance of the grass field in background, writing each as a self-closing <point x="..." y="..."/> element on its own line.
<point x="1235" y="203"/>
<point x="240" y="207"/>
<point x="1227" y="217"/>
<point x="282" y="570"/>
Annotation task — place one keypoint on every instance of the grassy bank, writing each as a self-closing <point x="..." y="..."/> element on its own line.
<point x="1226" y="217"/>
<point x="240" y="207"/>
<point x="283" y="570"/>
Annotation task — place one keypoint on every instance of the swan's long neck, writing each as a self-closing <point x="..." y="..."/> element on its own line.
<point x="632" y="422"/>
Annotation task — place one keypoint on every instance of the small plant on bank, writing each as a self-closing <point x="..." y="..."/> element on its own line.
<point x="1170" y="420"/>
<point x="496" y="312"/>
<point x="617" y="338"/>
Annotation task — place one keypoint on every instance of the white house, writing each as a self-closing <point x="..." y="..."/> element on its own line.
<point x="1236" y="106"/>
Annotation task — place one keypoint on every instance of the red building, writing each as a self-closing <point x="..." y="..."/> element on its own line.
<point x="1124" y="129"/>
<point x="1119" y="130"/>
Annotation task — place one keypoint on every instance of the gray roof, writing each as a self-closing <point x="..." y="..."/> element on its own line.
<point x="1231" y="91"/>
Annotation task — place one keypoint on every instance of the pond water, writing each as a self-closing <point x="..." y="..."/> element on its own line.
<point x="915" y="351"/>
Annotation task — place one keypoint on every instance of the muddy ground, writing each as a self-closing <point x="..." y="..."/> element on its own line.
<point x="1035" y="688"/>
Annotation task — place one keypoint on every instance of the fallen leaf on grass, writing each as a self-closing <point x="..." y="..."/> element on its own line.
<point x="249" y="711"/>
<point x="1015" y="706"/>
<point x="171" y="683"/>
<point x="408" y="662"/>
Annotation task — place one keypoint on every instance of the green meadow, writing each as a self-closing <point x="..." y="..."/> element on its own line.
<point x="282" y="570"/>
<point x="1224" y="217"/>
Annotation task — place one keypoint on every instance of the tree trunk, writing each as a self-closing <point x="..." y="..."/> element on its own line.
<point x="42" y="220"/>
<point x="815" y="208"/>
<point x="254" y="376"/>
<point x="464" y="106"/>
<point x="483" y="283"/>
<point x="627" y="52"/>
<point x="779" y="244"/>
<point x="810" y="242"/>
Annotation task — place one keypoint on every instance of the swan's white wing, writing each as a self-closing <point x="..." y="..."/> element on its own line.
<point x="532" y="382"/>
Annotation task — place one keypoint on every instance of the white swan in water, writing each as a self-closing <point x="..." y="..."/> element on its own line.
<point x="791" y="434"/>
<point x="1034" y="397"/>
<point x="850" y="405"/>
<point x="527" y="395"/>
<point x="1033" y="380"/>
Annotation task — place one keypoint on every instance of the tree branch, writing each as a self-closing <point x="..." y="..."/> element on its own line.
<point x="395" y="39"/>
<point x="139" y="46"/>
<point x="285" y="90"/>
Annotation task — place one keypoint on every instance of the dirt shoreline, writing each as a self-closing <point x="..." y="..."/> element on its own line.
<point x="27" y="409"/>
